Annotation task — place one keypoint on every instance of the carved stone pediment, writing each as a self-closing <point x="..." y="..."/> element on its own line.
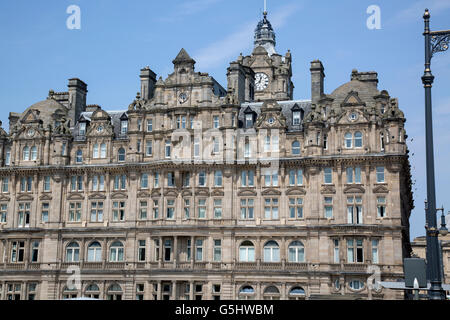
<point x="156" y="193"/>
<point x="119" y="195"/>
<point x="186" y="193"/>
<point x="328" y="189"/>
<point x="4" y="198"/>
<point x="45" y="197"/>
<point x="217" y="193"/>
<point x="271" y="192"/>
<point x="247" y="193"/>
<point x="143" y="194"/>
<point x="24" y="197"/>
<point x="202" y="192"/>
<point x="97" y="196"/>
<point x="296" y="191"/>
<point x="170" y="193"/>
<point x="354" y="189"/>
<point x="353" y="99"/>
<point x="75" y="196"/>
<point x="32" y="116"/>
<point x="380" y="189"/>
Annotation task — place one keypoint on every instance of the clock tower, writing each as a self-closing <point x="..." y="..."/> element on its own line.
<point x="272" y="72"/>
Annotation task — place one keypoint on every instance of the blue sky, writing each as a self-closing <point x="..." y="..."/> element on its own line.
<point x="118" y="38"/>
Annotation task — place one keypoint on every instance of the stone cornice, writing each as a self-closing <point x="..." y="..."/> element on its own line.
<point x="319" y="161"/>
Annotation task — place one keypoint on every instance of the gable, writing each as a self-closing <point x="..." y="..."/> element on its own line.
<point x="353" y="99"/>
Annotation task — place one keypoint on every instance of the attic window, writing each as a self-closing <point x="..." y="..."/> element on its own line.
<point x="248" y="120"/>
<point x="123" y="127"/>
<point x="296" y="118"/>
<point x="82" y="129"/>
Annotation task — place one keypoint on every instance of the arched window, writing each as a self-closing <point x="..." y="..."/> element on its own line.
<point x="8" y="156"/>
<point x="94" y="252"/>
<point x="121" y="155"/>
<point x="26" y="154"/>
<point x="92" y="291"/>
<point x="33" y="153"/>
<point x="247" y="252"/>
<point x="103" y="151"/>
<point x="296" y="148"/>
<point x="69" y="293"/>
<point x="116" y="252"/>
<point x="95" y="153"/>
<point x="358" y="139"/>
<point x="247" y="293"/>
<point x="73" y="252"/>
<point x="297" y="293"/>
<point x="114" y="292"/>
<point x="271" y="252"/>
<point x="348" y="140"/>
<point x="271" y="293"/>
<point x="296" y="252"/>
<point x="79" y="158"/>
<point x="356" y="285"/>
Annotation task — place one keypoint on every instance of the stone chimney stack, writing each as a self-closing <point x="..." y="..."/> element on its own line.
<point x="317" y="80"/>
<point x="148" y="81"/>
<point x="77" y="100"/>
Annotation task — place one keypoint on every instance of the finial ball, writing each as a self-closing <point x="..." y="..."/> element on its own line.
<point x="427" y="14"/>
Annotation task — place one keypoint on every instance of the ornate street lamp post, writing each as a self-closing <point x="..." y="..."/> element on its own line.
<point x="435" y="41"/>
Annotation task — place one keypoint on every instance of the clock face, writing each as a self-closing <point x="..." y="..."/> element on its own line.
<point x="31" y="132"/>
<point x="183" y="97"/>
<point x="261" y="81"/>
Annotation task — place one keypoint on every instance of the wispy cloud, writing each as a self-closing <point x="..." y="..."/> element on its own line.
<point x="188" y="8"/>
<point x="241" y="40"/>
<point x="417" y="9"/>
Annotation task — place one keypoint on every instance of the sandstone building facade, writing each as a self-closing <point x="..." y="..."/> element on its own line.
<point x="201" y="192"/>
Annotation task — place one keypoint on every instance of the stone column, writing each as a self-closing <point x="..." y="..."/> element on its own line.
<point x="175" y="251"/>
<point x="160" y="239"/>
<point x="174" y="290"/>
<point x="191" y="290"/>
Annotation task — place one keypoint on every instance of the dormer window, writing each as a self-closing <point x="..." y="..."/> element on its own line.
<point x="296" y="118"/>
<point x="82" y="129"/>
<point x="123" y="127"/>
<point x="297" y="115"/>
<point x="248" y="120"/>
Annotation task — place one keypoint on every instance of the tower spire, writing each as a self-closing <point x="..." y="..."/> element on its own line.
<point x="264" y="33"/>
